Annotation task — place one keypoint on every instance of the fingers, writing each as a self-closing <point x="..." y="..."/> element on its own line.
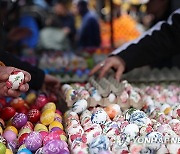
<point x="96" y="68"/>
<point x="105" y="69"/>
<point x="27" y="76"/>
<point x="24" y="87"/>
<point x="13" y="93"/>
<point x="119" y="73"/>
<point x="4" y="77"/>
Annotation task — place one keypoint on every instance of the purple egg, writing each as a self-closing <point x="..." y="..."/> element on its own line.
<point x="55" y="128"/>
<point x="19" y="120"/>
<point x="9" y="135"/>
<point x="58" y="119"/>
<point x="33" y="141"/>
<point x="12" y="146"/>
<point x="55" y="147"/>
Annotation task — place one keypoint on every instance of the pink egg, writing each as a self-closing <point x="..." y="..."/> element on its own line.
<point x="19" y="120"/>
<point x="58" y="112"/>
<point x="9" y="135"/>
<point x="33" y="141"/>
<point x="41" y="100"/>
<point x="51" y="136"/>
<point x="43" y="134"/>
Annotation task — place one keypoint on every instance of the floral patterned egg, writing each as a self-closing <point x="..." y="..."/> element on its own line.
<point x="19" y="120"/>
<point x="79" y="106"/>
<point x="99" y="117"/>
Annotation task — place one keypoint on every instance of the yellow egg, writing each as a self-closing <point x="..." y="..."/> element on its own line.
<point x="30" y="98"/>
<point x="8" y="151"/>
<point x="55" y="124"/>
<point x="1" y="131"/>
<point x="40" y="127"/>
<point x="49" y="105"/>
<point x="25" y="130"/>
<point x="12" y="128"/>
<point x="47" y="117"/>
<point x="63" y="137"/>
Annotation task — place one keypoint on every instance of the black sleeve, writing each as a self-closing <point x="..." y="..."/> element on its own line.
<point x="161" y="41"/>
<point x="37" y="75"/>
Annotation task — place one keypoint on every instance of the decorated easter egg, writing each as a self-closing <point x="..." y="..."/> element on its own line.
<point x="33" y="141"/>
<point x="12" y="146"/>
<point x="22" y="147"/>
<point x="99" y="117"/>
<point x="56" y="147"/>
<point x="47" y="117"/>
<point x="99" y="144"/>
<point x="24" y="151"/>
<point x="84" y="94"/>
<point x="9" y="135"/>
<point x="66" y="87"/>
<point x="3" y="140"/>
<point x="15" y="80"/>
<point x="33" y="115"/>
<point x="7" y="113"/>
<point x="55" y="124"/>
<point x="112" y="110"/>
<point x="40" y="127"/>
<point x="49" y="105"/>
<point x="166" y="109"/>
<point x="24" y="109"/>
<point x="39" y="151"/>
<point x="58" y="112"/>
<point x="25" y="130"/>
<point x="8" y="151"/>
<point x="12" y="128"/>
<point x="17" y="103"/>
<point x="43" y="134"/>
<point x="28" y="125"/>
<point x="131" y="130"/>
<point x="79" y="106"/>
<point x="70" y="95"/>
<point x="2" y="148"/>
<point x="63" y="138"/>
<point x="22" y="138"/>
<point x="55" y="135"/>
<point x="19" y="120"/>
<point x="30" y="98"/>
<point x="79" y="147"/>
<point x="41" y="100"/>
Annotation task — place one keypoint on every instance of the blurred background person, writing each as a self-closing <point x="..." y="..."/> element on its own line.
<point x="88" y="35"/>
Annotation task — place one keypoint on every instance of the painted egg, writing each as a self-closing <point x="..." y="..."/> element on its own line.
<point x="9" y="135"/>
<point x="79" y="147"/>
<point x="49" y="105"/>
<point x="70" y="95"/>
<point x="25" y="130"/>
<point x="43" y="134"/>
<point x="19" y="120"/>
<point x="56" y="147"/>
<point x="33" y="141"/>
<point x="24" y="109"/>
<point x="34" y="115"/>
<point x="63" y="138"/>
<point x="156" y="139"/>
<point x="2" y="148"/>
<point x="55" y="124"/>
<point x="22" y="138"/>
<point x="22" y="147"/>
<point x="12" y="146"/>
<point x="15" y="80"/>
<point x="55" y="129"/>
<point x="112" y="110"/>
<point x="40" y="127"/>
<point x="41" y="100"/>
<point x="12" y="128"/>
<point x="8" y="151"/>
<point x="55" y="135"/>
<point x="111" y="97"/>
<point x="131" y="130"/>
<point x="3" y="140"/>
<point x="79" y="106"/>
<point x="17" y="103"/>
<point x="30" y="98"/>
<point x="84" y="94"/>
<point x="40" y="151"/>
<point x="99" y="117"/>
<point x="166" y="109"/>
<point x="66" y="87"/>
<point x="28" y="125"/>
<point x="7" y="113"/>
<point x="47" y="117"/>
<point x="173" y="148"/>
<point x="58" y="112"/>
<point x="99" y="144"/>
<point x="24" y="151"/>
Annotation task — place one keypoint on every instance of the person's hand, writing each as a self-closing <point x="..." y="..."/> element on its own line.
<point x="5" y="72"/>
<point x="51" y="83"/>
<point x="111" y="62"/>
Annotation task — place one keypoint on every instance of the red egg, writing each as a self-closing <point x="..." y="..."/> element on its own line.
<point x="22" y="109"/>
<point x="28" y="125"/>
<point x="22" y="138"/>
<point x="34" y="106"/>
<point x="17" y="103"/>
<point x="7" y="113"/>
<point x="52" y="97"/>
<point x="43" y="134"/>
<point x="41" y="101"/>
<point x="34" y="115"/>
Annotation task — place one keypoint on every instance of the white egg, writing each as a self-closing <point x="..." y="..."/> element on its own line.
<point x="111" y="97"/>
<point x="79" y="106"/>
<point x="99" y="117"/>
<point x="131" y="130"/>
<point x="66" y="87"/>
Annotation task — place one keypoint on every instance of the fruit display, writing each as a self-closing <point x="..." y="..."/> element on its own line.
<point x="109" y="117"/>
<point x="31" y="124"/>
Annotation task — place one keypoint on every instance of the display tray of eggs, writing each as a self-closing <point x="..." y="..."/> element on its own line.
<point x="114" y="129"/>
<point x="31" y="125"/>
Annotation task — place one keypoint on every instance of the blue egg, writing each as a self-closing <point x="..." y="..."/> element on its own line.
<point x="24" y="151"/>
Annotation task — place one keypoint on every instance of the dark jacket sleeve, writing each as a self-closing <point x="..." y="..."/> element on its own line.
<point x="37" y="75"/>
<point x="161" y="41"/>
